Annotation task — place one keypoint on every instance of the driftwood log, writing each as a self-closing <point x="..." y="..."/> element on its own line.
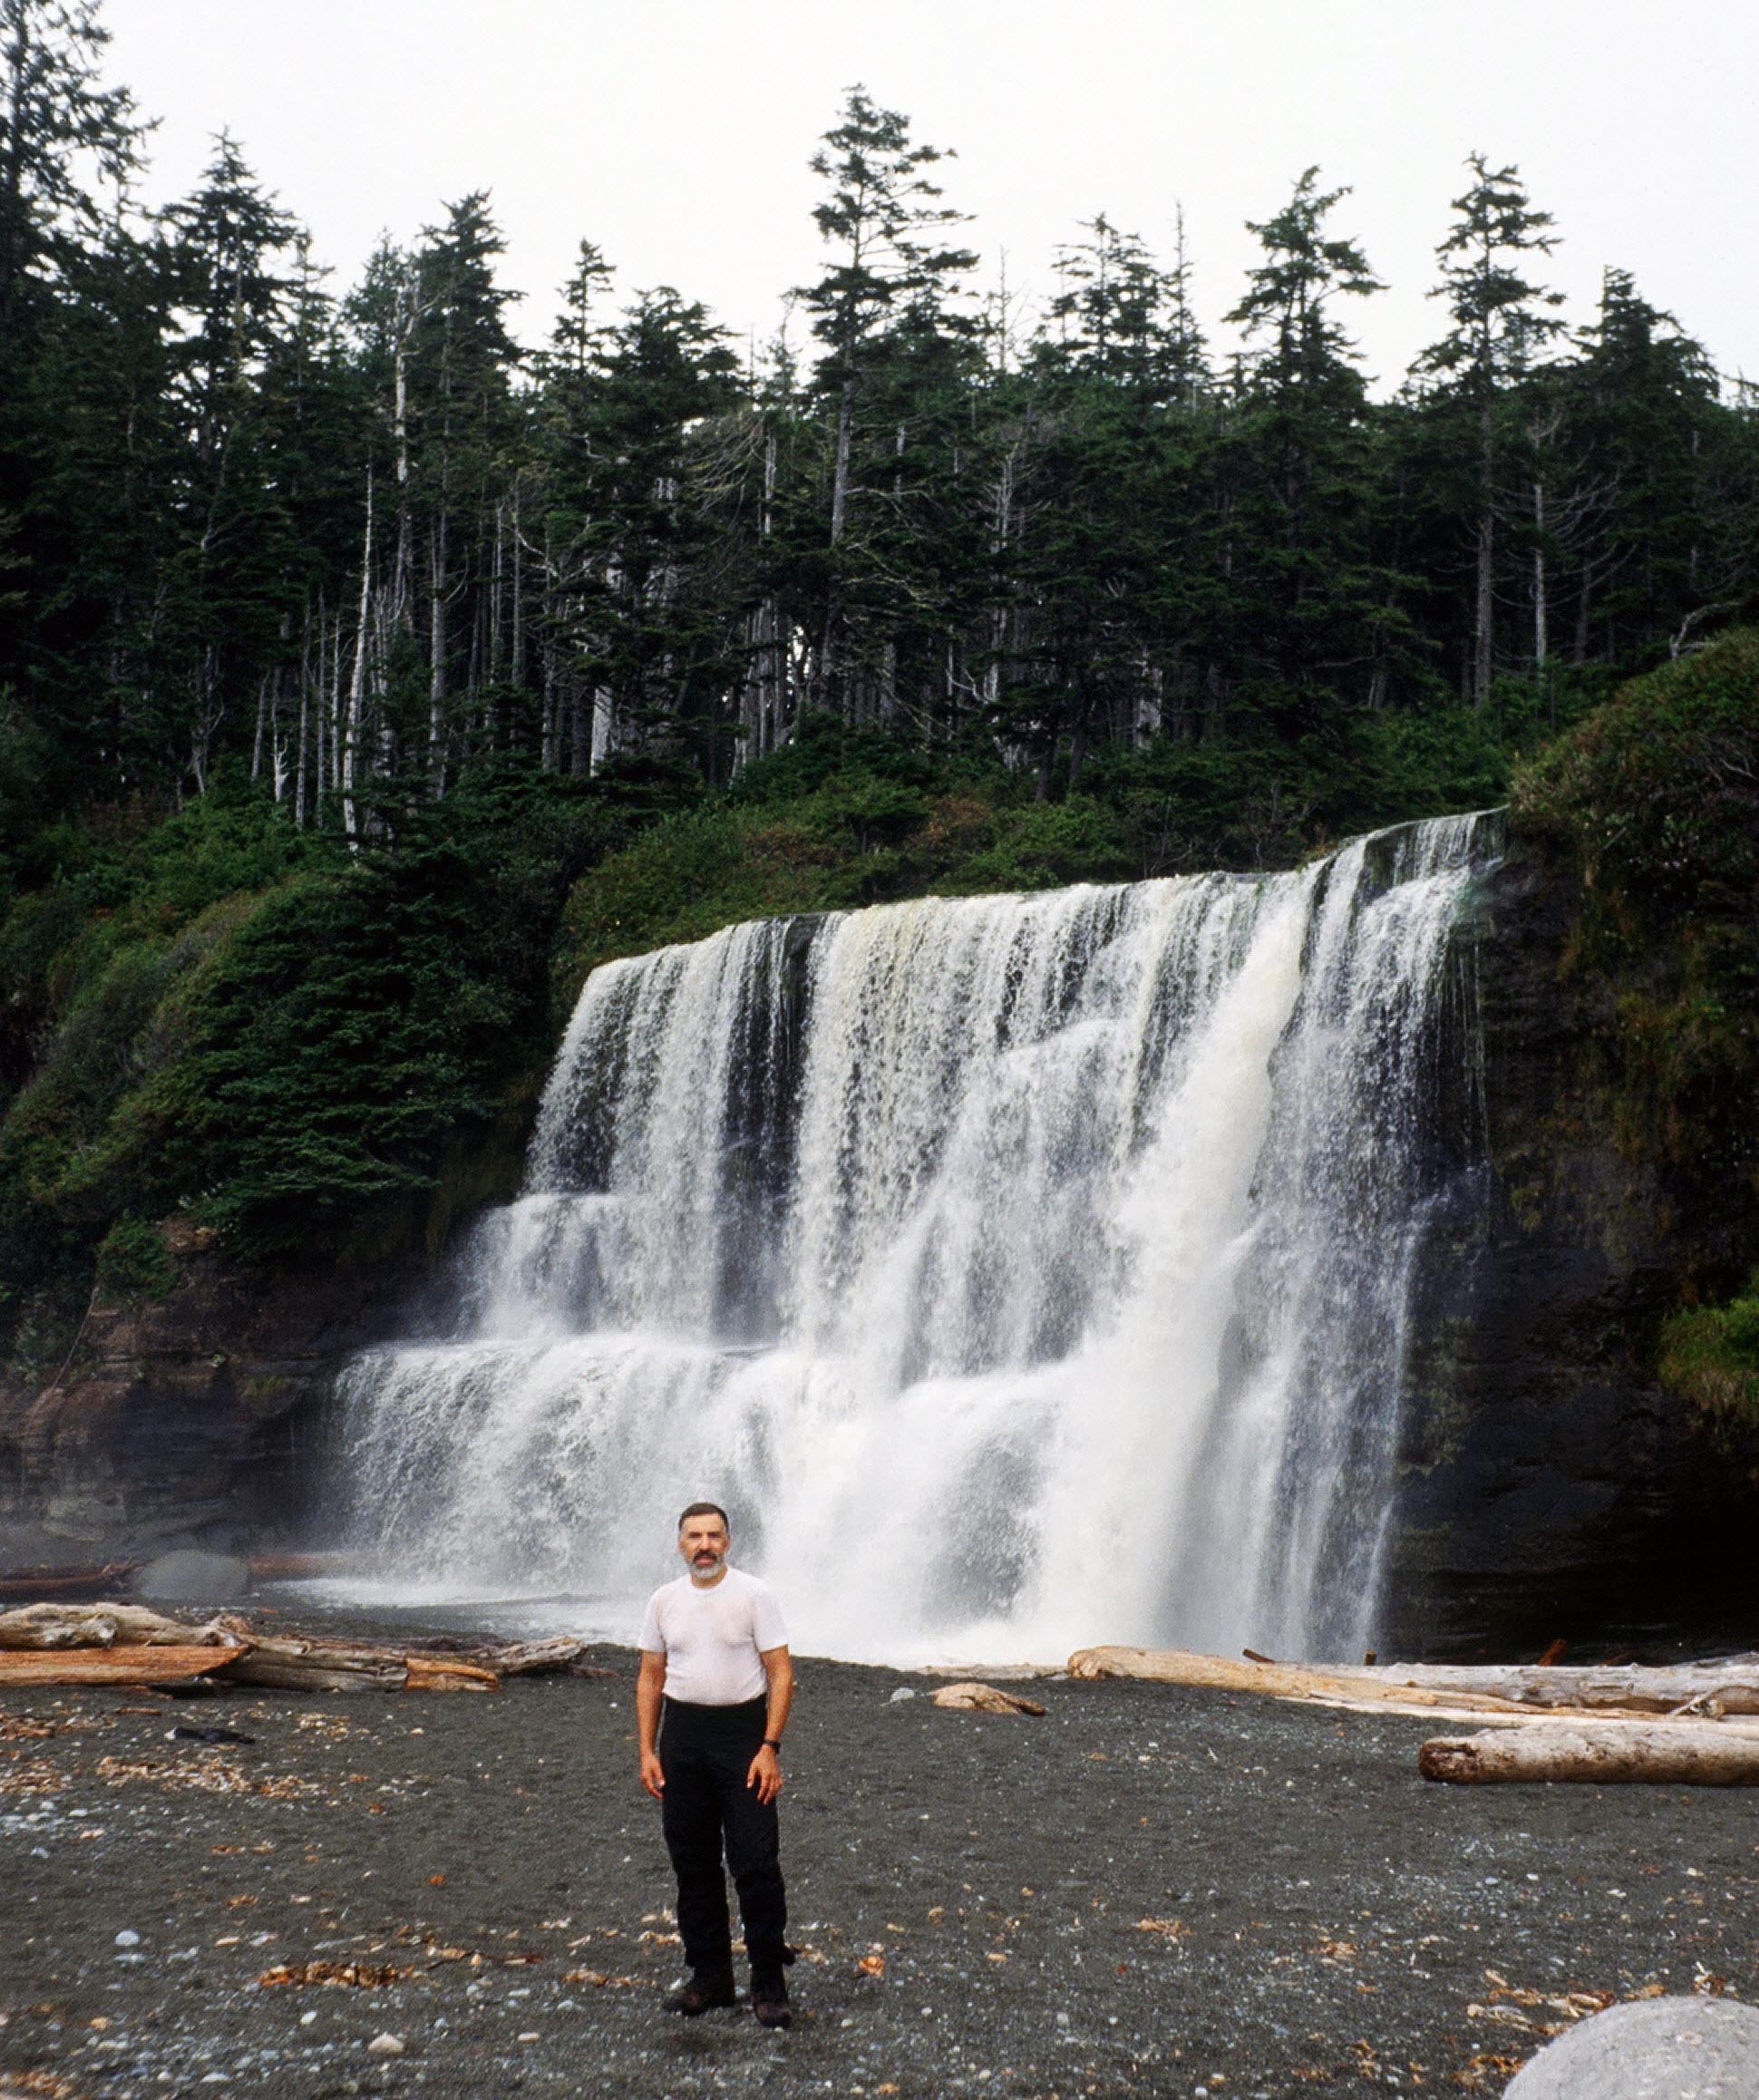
<point x="143" y="1665"/>
<point x="39" y="1584"/>
<point x="979" y="1699"/>
<point x="295" y="1663"/>
<point x="526" y="1658"/>
<point x="81" y="1626"/>
<point x="1709" y="1690"/>
<point x="1599" y="1754"/>
<point x="67" y="1643"/>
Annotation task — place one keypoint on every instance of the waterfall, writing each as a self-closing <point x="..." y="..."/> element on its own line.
<point x="1021" y="1272"/>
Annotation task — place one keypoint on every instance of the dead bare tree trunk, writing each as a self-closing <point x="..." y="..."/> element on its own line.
<point x="358" y="683"/>
<point x="1484" y="659"/>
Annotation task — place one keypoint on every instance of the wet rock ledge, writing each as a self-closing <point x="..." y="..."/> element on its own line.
<point x="193" y="1419"/>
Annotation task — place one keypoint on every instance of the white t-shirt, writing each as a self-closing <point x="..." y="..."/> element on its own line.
<point x="711" y="1637"/>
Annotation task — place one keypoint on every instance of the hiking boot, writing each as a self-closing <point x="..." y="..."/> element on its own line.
<point x="770" y="2001"/>
<point x="700" y="1991"/>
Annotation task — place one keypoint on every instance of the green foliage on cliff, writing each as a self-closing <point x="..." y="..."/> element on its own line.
<point x="1657" y="796"/>
<point x="1710" y="1356"/>
<point x="839" y="818"/>
<point x="1657" y="799"/>
<point x="314" y="1050"/>
<point x="133" y="1262"/>
<point x="1659" y="788"/>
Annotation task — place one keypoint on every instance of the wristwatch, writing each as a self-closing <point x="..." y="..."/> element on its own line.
<point x="774" y="1743"/>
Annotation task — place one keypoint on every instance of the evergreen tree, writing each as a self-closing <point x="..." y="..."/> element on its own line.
<point x="225" y="573"/>
<point x="1120" y="318"/>
<point x="1640" y="413"/>
<point x="881" y="217"/>
<point x="1501" y="321"/>
<point x="54" y="115"/>
<point x="632" y="410"/>
<point x="1301" y="419"/>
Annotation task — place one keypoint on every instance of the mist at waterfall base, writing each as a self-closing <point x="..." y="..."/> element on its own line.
<point x="1021" y="1272"/>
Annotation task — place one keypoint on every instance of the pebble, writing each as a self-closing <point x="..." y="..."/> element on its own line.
<point x="903" y="1692"/>
<point x="126" y="1938"/>
<point x="1659" y="2048"/>
<point x="385" y="2045"/>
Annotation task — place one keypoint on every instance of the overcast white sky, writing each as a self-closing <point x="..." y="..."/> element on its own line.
<point x="676" y="132"/>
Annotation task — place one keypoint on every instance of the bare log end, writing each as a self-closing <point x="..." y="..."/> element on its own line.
<point x="1449" y="1759"/>
<point x="1101" y="1662"/>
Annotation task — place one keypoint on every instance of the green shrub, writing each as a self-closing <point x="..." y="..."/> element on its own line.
<point x="133" y="1262"/>
<point x="1659" y="788"/>
<point x="1710" y="1356"/>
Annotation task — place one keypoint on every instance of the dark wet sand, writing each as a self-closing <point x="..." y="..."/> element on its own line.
<point x="1151" y="1889"/>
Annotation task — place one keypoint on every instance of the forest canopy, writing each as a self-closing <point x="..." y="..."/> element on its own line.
<point x="343" y="637"/>
<point x="362" y="543"/>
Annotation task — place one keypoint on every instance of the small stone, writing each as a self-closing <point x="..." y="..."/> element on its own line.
<point x="126" y="1938"/>
<point x="903" y="1692"/>
<point x="385" y="2045"/>
<point x="1062" y="2019"/>
<point x="305" y="2018"/>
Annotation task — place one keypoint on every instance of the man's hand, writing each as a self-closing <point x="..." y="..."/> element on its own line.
<point x="650" y="1689"/>
<point x="765" y="1775"/>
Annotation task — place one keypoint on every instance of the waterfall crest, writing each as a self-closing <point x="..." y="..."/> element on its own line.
<point x="1020" y="1271"/>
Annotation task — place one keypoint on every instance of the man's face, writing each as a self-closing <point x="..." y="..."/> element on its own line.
<point x="703" y="1542"/>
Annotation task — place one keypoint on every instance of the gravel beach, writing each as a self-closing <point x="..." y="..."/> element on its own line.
<point x="1151" y="1890"/>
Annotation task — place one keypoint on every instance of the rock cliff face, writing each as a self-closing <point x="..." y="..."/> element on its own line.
<point x="195" y="1419"/>
<point x="1551" y="1488"/>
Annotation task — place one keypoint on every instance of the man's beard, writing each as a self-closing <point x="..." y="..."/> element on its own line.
<point x="700" y="1573"/>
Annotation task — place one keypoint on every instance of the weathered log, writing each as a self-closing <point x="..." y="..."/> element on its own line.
<point x="1332" y="1687"/>
<point x="1598" y="1753"/>
<point x="287" y="1663"/>
<point x="143" y="1665"/>
<point x="1729" y="1686"/>
<point x="445" y="1672"/>
<point x="528" y="1657"/>
<point x="64" y="1625"/>
<point x="64" y="1584"/>
<point x="980" y="1698"/>
<point x="315" y="1663"/>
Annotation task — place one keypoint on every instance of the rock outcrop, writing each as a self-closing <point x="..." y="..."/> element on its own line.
<point x="1551" y="1488"/>
<point x="197" y="1418"/>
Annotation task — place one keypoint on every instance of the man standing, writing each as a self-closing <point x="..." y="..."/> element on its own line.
<point x="711" y="1704"/>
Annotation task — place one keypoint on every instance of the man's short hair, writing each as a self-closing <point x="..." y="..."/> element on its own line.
<point x="707" y="1510"/>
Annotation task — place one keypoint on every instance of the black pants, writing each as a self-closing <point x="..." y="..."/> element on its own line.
<point x="705" y="1752"/>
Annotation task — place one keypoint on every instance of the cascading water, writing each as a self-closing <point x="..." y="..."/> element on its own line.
<point x="1021" y="1272"/>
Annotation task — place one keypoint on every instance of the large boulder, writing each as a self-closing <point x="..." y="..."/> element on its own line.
<point x="1659" y="2048"/>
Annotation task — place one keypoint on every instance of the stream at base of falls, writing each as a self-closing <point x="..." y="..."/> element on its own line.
<point x="1021" y="1272"/>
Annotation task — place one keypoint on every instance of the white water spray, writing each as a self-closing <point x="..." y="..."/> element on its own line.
<point x="1021" y="1272"/>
